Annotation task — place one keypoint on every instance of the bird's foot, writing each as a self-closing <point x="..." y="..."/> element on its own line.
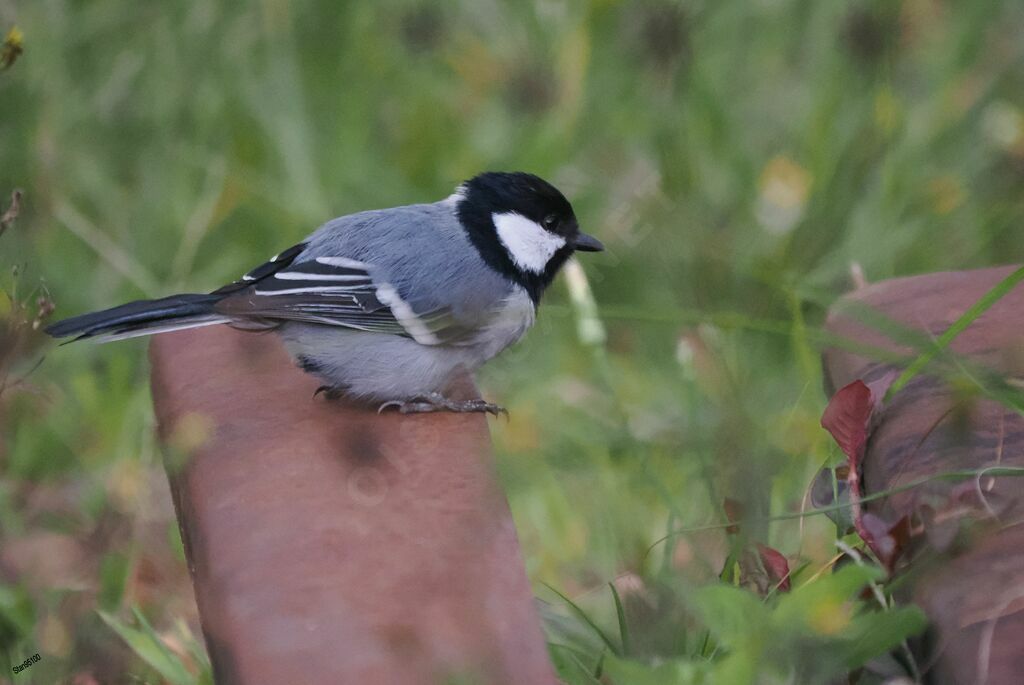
<point x="438" y="402"/>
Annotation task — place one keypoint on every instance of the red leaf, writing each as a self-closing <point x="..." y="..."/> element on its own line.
<point x="886" y="540"/>
<point x="846" y="418"/>
<point x="776" y="565"/>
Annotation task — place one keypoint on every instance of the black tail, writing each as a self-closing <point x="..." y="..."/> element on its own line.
<point x="143" y="317"/>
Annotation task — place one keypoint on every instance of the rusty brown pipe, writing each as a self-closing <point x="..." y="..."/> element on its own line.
<point x="328" y="544"/>
<point x="972" y="591"/>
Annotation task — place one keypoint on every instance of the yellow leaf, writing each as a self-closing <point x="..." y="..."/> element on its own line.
<point x="12" y="47"/>
<point x="14" y="37"/>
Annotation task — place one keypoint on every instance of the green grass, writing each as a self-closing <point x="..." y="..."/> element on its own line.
<point x="735" y="157"/>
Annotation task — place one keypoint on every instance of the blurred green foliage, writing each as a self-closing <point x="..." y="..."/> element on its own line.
<point x="801" y="637"/>
<point x="736" y="157"/>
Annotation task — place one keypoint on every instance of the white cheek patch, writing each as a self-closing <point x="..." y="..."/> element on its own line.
<point x="528" y="244"/>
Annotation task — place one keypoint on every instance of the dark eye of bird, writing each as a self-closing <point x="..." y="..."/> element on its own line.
<point x="550" y="222"/>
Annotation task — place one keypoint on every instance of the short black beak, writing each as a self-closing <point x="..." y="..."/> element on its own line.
<point x="587" y="243"/>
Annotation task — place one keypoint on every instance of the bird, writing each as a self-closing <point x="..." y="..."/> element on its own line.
<point x="387" y="306"/>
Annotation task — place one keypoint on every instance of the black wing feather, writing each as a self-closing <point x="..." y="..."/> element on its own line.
<point x="268" y="268"/>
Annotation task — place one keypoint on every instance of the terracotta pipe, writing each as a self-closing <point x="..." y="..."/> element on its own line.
<point x="330" y="544"/>
<point x="973" y="589"/>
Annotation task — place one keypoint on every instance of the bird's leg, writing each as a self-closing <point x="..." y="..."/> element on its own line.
<point x="437" y="402"/>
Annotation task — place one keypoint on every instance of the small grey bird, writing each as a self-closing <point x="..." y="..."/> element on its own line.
<point x="387" y="305"/>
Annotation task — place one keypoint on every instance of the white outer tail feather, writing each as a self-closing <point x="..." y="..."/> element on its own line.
<point x="176" y="325"/>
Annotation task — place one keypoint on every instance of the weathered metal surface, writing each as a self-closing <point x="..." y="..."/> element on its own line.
<point x="330" y="544"/>
<point x="973" y="589"/>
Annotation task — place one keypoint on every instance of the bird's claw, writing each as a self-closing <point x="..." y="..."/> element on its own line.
<point x="437" y="402"/>
<point x="330" y="393"/>
<point x="388" y="405"/>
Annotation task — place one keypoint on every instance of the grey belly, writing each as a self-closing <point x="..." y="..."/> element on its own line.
<point x="377" y="366"/>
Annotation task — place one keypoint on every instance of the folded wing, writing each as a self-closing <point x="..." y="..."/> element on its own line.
<point x="331" y="291"/>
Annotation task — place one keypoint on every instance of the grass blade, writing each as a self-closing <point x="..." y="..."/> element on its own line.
<point x="582" y="670"/>
<point x="984" y="303"/>
<point x="620" y="612"/>
<point x="1010" y="471"/>
<point x="147" y="645"/>
<point x="583" y="616"/>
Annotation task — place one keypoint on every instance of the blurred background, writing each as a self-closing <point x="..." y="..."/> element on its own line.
<point x="739" y="159"/>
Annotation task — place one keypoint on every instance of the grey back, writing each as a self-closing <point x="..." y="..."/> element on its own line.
<point x="423" y="252"/>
